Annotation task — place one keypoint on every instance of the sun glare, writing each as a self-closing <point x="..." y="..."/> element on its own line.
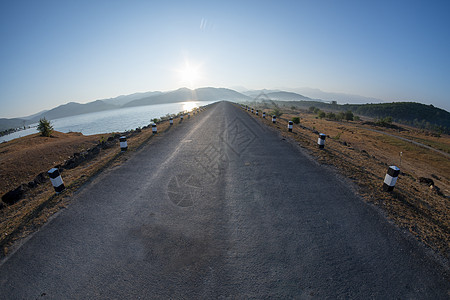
<point x="190" y="74"/>
<point x="189" y="105"/>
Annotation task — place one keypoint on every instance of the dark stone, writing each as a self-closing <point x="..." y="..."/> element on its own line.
<point x="110" y="139"/>
<point x="435" y="177"/>
<point x="40" y="178"/>
<point x="427" y="181"/>
<point x="1" y="205"/>
<point x="32" y="184"/>
<point x="71" y="163"/>
<point x="95" y="150"/>
<point x="13" y="196"/>
<point x="76" y="154"/>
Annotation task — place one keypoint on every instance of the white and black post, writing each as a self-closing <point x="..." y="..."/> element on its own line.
<point x="171" y="121"/>
<point x="181" y="118"/>
<point x="264" y="115"/>
<point x="274" y="119"/>
<point x="252" y="110"/>
<point x="290" y="125"/>
<point x="257" y="112"/>
<point x="391" y="178"/>
<point x="123" y="143"/>
<point x="321" y="140"/>
<point x="189" y="115"/>
<point x="55" y="178"/>
<point x="154" y="129"/>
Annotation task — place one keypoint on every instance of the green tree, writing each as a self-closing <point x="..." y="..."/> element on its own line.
<point x="331" y="116"/>
<point x="321" y="114"/>
<point x="44" y="127"/>
<point x="340" y="116"/>
<point x="296" y="120"/>
<point x="349" y="115"/>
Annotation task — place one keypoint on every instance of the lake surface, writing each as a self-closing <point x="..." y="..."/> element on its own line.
<point x="117" y="120"/>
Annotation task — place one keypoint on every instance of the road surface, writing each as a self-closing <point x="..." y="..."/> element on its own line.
<point x="220" y="207"/>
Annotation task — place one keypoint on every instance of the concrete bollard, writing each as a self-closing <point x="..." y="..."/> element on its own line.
<point x="274" y="119"/>
<point x="290" y="125"/>
<point x="321" y="140"/>
<point x="154" y="129"/>
<point x="391" y="178"/>
<point x="171" y="121"/>
<point x="264" y="115"/>
<point x="56" y="180"/>
<point x="123" y="143"/>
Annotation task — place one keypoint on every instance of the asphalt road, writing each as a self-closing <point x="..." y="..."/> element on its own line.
<point x="220" y="207"/>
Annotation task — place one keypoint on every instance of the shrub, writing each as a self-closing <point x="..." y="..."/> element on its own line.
<point x="331" y="116"/>
<point x="321" y="114"/>
<point x="277" y="112"/>
<point x="44" y="127"/>
<point x="296" y="120"/>
<point x="340" y="116"/>
<point x="349" y="115"/>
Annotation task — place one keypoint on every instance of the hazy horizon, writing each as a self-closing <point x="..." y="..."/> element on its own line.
<point x="58" y="52"/>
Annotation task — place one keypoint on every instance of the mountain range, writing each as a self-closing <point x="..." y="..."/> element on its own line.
<point x="200" y="94"/>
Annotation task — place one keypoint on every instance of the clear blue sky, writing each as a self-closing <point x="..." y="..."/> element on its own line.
<point x="53" y="52"/>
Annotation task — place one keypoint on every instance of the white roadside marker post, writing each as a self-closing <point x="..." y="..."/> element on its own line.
<point x="123" y="143"/>
<point x="264" y="115"/>
<point x="391" y="178"/>
<point x="274" y="119"/>
<point x="321" y="140"/>
<point x="55" y="178"/>
<point x="290" y="125"/>
<point x="171" y="121"/>
<point x="154" y="129"/>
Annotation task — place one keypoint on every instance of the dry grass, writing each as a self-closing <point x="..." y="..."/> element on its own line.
<point x="364" y="156"/>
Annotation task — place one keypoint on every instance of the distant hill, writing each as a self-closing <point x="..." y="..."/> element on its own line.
<point x="411" y="113"/>
<point x="11" y="123"/>
<point x="73" y="109"/>
<point x="255" y="93"/>
<point x="124" y="99"/>
<point x="287" y="96"/>
<point x="185" y="94"/>
<point x="339" y="97"/>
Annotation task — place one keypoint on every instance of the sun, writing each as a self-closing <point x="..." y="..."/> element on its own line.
<point x="190" y="74"/>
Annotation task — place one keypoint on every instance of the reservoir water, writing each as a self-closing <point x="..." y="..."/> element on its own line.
<point x="117" y="120"/>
